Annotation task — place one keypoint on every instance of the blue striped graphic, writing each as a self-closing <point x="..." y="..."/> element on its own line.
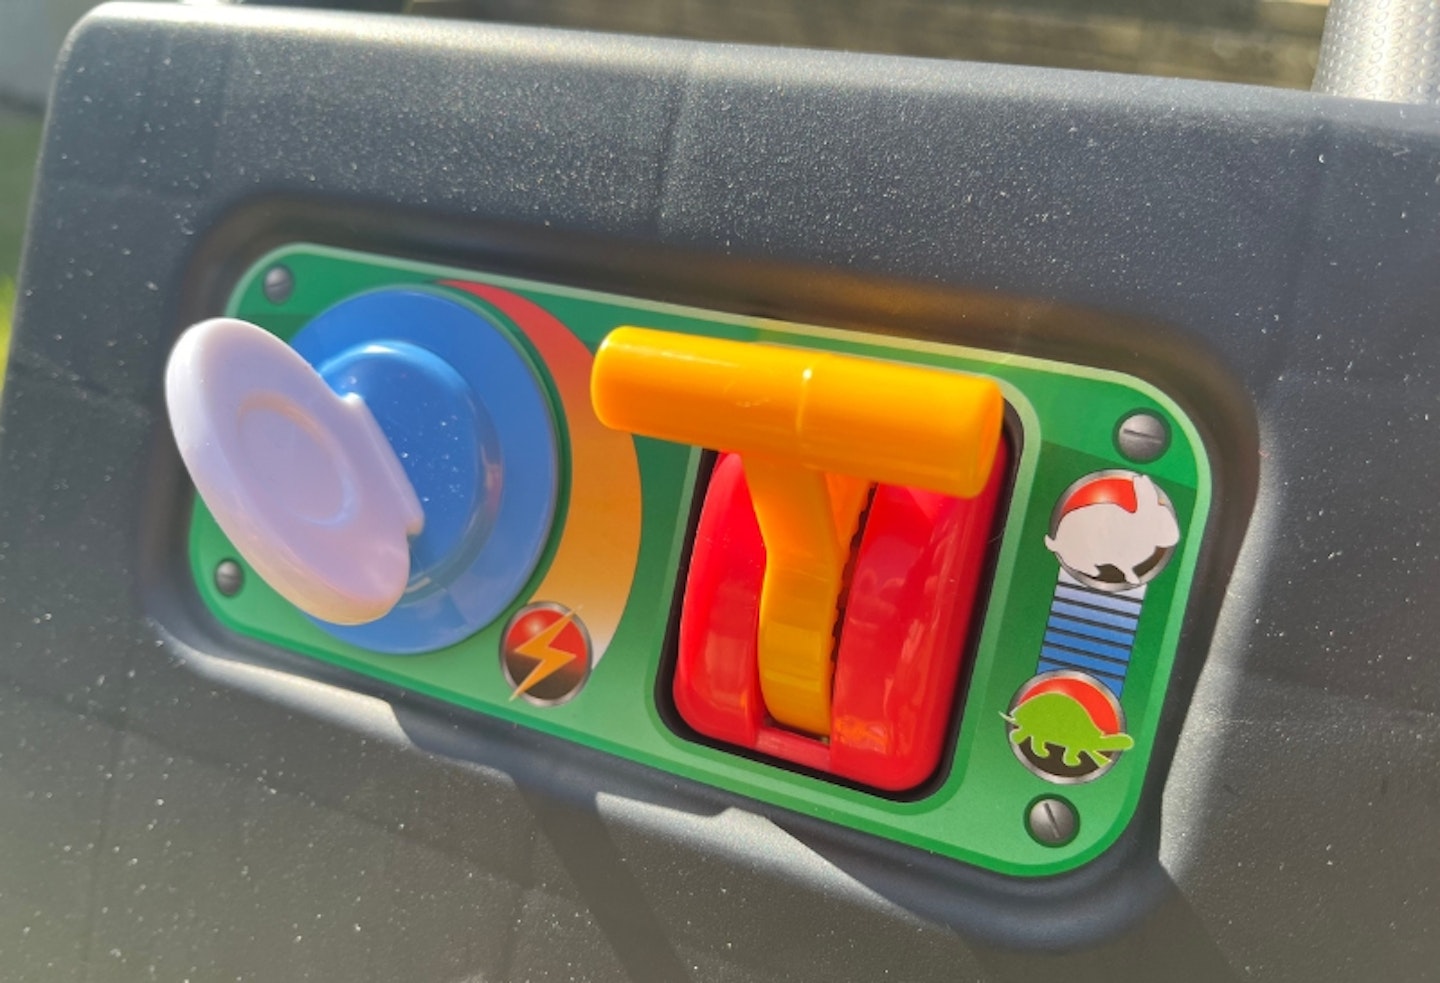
<point x="1094" y="599"/>
<point x="1091" y="614"/>
<point x="1087" y="662"/>
<point x="1091" y="631"/>
<point x="1090" y="646"/>
<point x="1072" y="627"/>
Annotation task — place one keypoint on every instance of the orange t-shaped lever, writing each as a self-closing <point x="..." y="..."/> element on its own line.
<point x="815" y="429"/>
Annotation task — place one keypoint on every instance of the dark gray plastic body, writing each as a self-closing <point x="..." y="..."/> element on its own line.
<point x="179" y="803"/>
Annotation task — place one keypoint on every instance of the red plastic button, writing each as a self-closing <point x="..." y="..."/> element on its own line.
<point x="902" y="638"/>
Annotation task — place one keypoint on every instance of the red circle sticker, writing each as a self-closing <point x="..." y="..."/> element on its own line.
<point x="545" y="654"/>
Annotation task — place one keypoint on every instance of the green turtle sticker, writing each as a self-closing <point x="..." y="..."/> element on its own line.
<point x="1067" y="727"/>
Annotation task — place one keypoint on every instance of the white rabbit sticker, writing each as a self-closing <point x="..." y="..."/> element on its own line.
<point x="1113" y="519"/>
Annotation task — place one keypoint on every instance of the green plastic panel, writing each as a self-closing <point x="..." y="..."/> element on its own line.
<point x="620" y="540"/>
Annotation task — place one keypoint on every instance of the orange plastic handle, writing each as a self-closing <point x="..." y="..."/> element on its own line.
<point x="814" y="430"/>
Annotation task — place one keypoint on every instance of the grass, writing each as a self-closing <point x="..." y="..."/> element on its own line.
<point x="19" y="143"/>
<point x="7" y="309"/>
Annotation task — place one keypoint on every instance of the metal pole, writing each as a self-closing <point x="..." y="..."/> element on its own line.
<point x="1387" y="50"/>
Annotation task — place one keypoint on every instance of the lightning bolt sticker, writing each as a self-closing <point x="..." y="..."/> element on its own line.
<point x="548" y="659"/>
<point x="545" y="654"/>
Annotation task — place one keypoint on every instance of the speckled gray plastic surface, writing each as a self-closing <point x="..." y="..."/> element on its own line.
<point x="177" y="803"/>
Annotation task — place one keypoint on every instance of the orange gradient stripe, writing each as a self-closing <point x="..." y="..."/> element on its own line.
<point x="594" y="565"/>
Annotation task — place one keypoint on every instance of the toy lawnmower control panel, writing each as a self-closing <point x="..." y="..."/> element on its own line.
<point x="929" y="592"/>
<point x="497" y="503"/>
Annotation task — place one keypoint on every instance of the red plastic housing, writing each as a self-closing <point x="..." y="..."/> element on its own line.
<point x="901" y="642"/>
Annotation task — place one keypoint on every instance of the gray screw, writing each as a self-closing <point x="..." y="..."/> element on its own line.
<point x="279" y="283"/>
<point x="1053" y="821"/>
<point x="229" y="577"/>
<point x="1142" y="437"/>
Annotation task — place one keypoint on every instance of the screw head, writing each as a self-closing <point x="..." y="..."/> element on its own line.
<point x="1052" y="821"/>
<point x="279" y="284"/>
<point x="229" y="577"/>
<point x="1142" y="437"/>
